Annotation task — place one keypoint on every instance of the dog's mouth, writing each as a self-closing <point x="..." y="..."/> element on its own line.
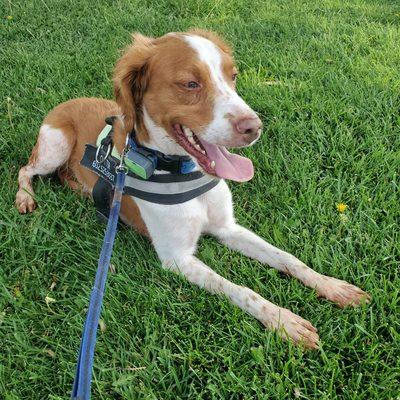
<point x="214" y="159"/>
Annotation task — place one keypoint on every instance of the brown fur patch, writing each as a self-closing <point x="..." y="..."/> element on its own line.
<point x="81" y="120"/>
<point x="167" y="99"/>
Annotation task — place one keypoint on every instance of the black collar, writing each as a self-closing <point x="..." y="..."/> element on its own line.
<point x="171" y="163"/>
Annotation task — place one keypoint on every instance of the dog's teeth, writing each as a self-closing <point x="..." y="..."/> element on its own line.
<point x="190" y="136"/>
<point x="212" y="164"/>
<point x="187" y="132"/>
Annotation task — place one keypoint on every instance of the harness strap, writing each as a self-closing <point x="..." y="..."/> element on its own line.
<point x="101" y="193"/>
<point x="161" y="188"/>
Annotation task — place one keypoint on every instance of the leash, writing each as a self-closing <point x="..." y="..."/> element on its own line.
<point x="83" y="375"/>
<point x="138" y="163"/>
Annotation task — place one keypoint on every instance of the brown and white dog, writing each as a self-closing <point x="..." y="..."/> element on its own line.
<point x="179" y="92"/>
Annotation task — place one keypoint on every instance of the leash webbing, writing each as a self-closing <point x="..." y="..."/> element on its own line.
<point x="83" y="375"/>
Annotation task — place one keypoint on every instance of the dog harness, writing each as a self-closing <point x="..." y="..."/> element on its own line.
<point x="178" y="185"/>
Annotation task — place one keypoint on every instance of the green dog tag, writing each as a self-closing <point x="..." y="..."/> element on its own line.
<point x="140" y="164"/>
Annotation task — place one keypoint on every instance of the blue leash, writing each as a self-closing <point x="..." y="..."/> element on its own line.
<point x="83" y="375"/>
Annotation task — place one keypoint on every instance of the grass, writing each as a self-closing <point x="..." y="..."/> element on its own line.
<point x="325" y="77"/>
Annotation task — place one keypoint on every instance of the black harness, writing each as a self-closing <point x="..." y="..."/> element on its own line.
<point x="181" y="184"/>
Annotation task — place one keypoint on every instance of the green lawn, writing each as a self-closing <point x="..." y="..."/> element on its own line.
<point x="325" y="77"/>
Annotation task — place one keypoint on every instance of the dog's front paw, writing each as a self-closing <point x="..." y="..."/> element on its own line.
<point x="293" y="327"/>
<point x="24" y="202"/>
<point x="342" y="293"/>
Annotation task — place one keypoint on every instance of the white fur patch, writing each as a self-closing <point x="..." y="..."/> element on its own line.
<point x="53" y="150"/>
<point x="159" y="138"/>
<point x="227" y="100"/>
<point x="209" y="53"/>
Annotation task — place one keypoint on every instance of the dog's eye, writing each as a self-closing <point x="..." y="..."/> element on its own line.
<point x="234" y="76"/>
<point x="192" y="85"/>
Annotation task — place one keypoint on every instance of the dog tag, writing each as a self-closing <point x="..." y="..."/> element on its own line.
<point x="140" y="163"/>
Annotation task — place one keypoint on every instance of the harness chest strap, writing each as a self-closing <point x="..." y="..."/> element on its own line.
<point x="169" y="188"/>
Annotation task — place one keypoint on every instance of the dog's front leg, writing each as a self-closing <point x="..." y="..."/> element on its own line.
<point x="175" y="230"/>
<point x="245" y="241"/>
<point x="287" y="324"/>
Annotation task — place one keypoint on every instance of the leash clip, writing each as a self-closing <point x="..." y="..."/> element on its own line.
<point x="121" y="167"/>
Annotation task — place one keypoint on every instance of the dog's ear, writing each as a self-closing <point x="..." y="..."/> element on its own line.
<point x="131" y="77"/>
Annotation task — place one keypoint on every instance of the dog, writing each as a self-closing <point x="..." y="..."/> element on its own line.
<point x="178" y="92"/>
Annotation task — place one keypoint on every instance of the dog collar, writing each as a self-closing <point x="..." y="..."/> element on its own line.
<point x="161" y="162"/>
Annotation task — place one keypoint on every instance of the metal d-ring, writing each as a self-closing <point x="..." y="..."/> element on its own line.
<point x="100" y="158"/>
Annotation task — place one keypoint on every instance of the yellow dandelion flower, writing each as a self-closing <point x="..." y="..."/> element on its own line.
<point x="17" y="291"/>
<point x="9" y="17"/>
<point x="341" y="207"/>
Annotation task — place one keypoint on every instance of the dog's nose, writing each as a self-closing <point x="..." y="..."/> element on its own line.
<point x="248" y="125"/>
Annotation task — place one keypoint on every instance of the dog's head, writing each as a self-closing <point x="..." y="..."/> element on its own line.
<point x="180" y="90"/>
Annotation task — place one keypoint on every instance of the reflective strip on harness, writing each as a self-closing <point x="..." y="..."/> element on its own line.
<point x="172" y="187"/>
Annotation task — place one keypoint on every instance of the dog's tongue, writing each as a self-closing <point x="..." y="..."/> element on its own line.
<point x="228" y="165"/>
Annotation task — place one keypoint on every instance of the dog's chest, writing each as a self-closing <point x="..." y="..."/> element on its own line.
<point x="185" y="222"/>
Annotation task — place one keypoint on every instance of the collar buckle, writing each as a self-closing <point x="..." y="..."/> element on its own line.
<point x="172" y="164"/>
